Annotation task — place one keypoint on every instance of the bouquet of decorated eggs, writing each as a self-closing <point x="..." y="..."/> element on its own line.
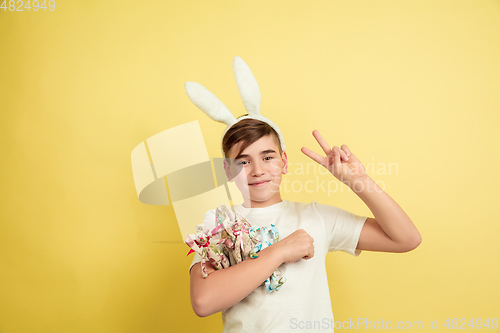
<point x="231" y="241"/>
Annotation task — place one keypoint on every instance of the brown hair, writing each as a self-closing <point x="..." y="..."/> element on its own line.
<point x="248" y="131"/>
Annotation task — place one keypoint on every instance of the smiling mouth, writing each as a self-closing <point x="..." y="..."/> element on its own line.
<point x="261" y="183"/>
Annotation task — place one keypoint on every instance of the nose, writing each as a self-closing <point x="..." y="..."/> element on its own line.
<point x="257" y="170"/>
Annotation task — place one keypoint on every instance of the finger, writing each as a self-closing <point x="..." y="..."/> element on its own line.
<point x="350" y="155"/>
<point x="336" y="160"/>
<point x="343" y="155"/>
<point x="322" y="143"/>
<point x="346" y="149"/>
<point x="315" y="156"/>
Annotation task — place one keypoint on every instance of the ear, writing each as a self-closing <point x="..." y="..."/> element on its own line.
<point x="247" y="86"/>
<point x="227" y="169"/>
<point x="285" y="162"/>
<point x="209" y="103"/>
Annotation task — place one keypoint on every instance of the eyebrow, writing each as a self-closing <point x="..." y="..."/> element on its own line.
<point x="268" y="151"/>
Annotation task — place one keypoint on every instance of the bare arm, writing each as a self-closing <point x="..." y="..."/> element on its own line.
<point x="391" y="230"/>
<point x="210" y="295"/>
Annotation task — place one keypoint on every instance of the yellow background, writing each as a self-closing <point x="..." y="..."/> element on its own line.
<point x="416" y="83"/>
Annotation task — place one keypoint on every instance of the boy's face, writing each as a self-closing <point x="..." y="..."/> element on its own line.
<point x="259" y="162"/>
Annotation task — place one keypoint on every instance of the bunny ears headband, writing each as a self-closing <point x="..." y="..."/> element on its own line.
<point x="250" y="95"/>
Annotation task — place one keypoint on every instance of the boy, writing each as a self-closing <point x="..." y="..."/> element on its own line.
<point x="307" y="233"/>
<point x="256" y="159"/>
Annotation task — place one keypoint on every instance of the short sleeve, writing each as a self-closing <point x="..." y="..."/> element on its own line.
<point x="209" y="221"/>
<point x="342" y="228"/>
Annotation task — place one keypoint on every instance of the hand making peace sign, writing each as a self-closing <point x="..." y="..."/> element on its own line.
<point x="343" y="164"/>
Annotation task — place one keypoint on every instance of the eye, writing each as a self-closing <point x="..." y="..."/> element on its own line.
<point x="241" y="162"/>
<point x="270" y="157"/>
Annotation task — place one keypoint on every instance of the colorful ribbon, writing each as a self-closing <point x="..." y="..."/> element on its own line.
<point x="213" y="232"/>
<point x="237" y="233"/>
<point x="206" y="244"/>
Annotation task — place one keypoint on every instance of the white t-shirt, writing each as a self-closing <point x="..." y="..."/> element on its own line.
<point x="303" y="301"/>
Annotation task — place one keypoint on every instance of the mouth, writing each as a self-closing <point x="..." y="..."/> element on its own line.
<point x="260" y="183"/>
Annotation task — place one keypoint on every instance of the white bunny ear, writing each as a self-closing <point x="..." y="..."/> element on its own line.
<point x="247" y="86"/>
<point x="209" y="103"/>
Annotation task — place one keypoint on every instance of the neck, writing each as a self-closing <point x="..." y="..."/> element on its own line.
<point x="249" y="203"/>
